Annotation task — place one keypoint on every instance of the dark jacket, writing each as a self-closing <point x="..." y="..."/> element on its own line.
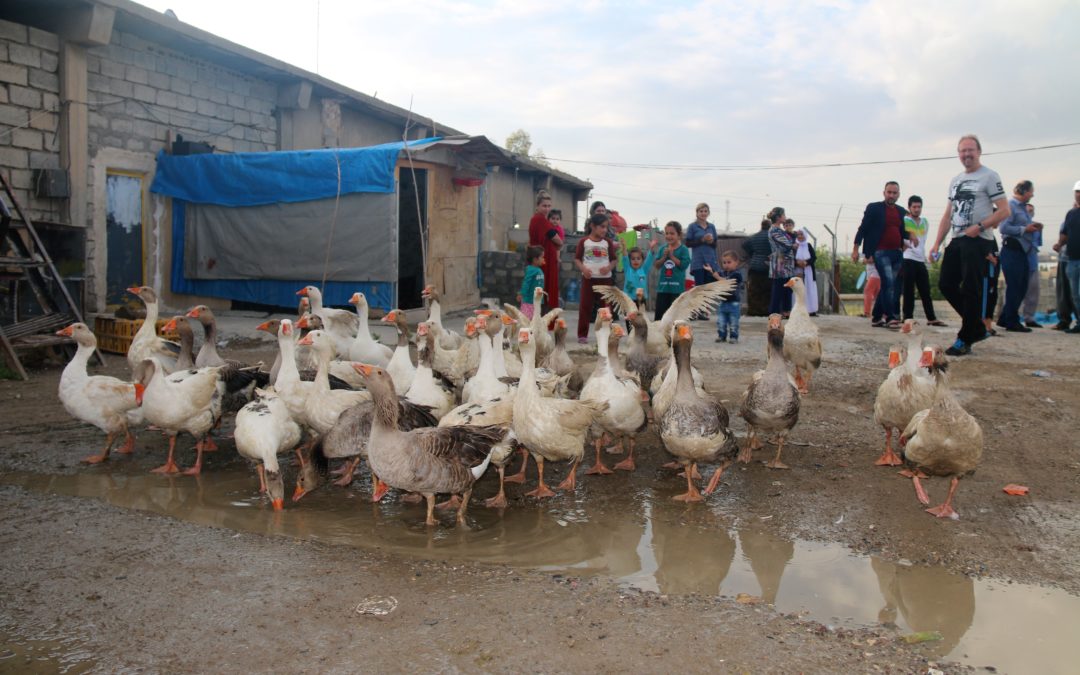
<point x="758" y="249"/>
<point x="873" y="224"/>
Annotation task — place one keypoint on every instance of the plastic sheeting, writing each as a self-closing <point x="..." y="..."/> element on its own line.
<point x="255" y="178"/>
<point x="274" y="292"/>
<point x="294" y="241"/>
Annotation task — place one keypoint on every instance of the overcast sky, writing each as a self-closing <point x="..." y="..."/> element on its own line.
<point x="759" y="83"/>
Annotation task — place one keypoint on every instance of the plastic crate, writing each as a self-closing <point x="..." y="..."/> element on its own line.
<point x="115" y="335"/>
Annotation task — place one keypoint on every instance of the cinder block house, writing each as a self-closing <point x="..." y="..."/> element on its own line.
<point x="95" y="95"/>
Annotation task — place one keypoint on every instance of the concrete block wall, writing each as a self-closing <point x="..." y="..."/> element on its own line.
<point x="501" y="274"/>
<point x="29" y="113"/>
<point x="140" y="90"/>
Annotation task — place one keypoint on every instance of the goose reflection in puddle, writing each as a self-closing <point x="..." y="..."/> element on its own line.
<point x="927" y="599"/>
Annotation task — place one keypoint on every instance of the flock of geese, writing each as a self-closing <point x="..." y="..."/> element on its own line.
<point x="506" y="387"/>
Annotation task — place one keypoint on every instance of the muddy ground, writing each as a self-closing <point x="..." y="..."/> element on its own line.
<point x="123" y="588"/>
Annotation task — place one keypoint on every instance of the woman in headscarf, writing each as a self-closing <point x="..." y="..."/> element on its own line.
<point x="805" y="259"/>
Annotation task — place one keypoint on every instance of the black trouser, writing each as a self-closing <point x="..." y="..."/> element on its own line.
<point x="964" y="271"/>
<point x="916" y="277"/>
<point x="663" y="302"/>
<point x="759" y="289"/>
<point x="1065" y="307"/>
<point x="990" y="246"/>
<point x="780" y="301"/>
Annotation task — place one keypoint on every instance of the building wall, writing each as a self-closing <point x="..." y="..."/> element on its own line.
<point x="452" y="245"/>
<point x="510" y="197"/>
<point x="29" y="113"/>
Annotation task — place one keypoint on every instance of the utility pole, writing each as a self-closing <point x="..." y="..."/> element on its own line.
<point x="727" y="215"/>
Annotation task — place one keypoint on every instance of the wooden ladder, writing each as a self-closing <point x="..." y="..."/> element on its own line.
<point x="39" y="270"/>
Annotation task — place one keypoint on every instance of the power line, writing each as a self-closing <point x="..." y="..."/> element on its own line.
<point x="780" y="167"/>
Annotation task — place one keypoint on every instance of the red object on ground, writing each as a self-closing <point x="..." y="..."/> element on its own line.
<point x="1014" y="489"/>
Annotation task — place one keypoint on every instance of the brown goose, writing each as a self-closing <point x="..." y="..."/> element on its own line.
<point x="771" y="402"/>
<point x="428" y="461"/>
<point x="185" y="359"/>
<point x="943" y="440"/>
<point x="639" y="360"/>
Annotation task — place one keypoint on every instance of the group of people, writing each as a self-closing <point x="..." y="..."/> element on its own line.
<point x="892" y="242"/>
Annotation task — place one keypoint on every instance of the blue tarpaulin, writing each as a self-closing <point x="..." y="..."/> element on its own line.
<point x="256" y="178"/>
<point x="260" y="178"/>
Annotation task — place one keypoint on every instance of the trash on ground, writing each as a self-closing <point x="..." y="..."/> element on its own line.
<point x="922" y="636"/>
<point x="1014" y="489"/>
<point x="1042" y="373"/>
<point x="747" y="599"/>
<point x="377" y="605"/>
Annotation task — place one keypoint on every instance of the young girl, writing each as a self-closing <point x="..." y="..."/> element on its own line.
<point x="637" y="265"/>
<point x="673" y="259"/>
<point x="542" y="232"/>
<point x="595" y="259"/>
<point x="534" y="278"/>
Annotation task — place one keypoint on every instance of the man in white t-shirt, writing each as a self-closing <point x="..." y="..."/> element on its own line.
<point x="914" y="269"/>
<point x="976" y="206"/>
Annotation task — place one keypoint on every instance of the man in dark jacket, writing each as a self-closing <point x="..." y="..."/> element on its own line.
<point x="759" y="287"/>
<point x="882" y="236"/>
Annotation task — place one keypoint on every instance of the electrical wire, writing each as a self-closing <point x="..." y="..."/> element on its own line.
<point x="780" y="167"/>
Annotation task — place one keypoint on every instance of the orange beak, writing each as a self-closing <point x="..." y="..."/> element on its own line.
<point x="264" y="326"/>
<point x="619" y="332"/>
<point x="169" y="327"/>
<point x="66" y="332"/>
<point x="364" y="369"/>
<point x="286" y="328"/>
<point x="298" y="493"/>
<point x="278" y="504"/>
<point x="684" y="332"/>
<point x="391" y="316"/>
<point x="482" y="312"/>
<point x="140" y="389"/>
<point x="790" y="283"/>
<point x="523" y="336"/>
<point x="605" y="314"/>
<point x="560" y="323"/>
<point x="894" y="358"/>
<point x="470" y="328"/>
<point x="134" y="289"/>
<point x="507" y="320"/>
<point x="193" y="314"/>
<point x="302" y="292"/>
<point x="481" y="322"/>
<point x="302" y="322"/>
<point x="927" y="358"/>
<point x="306" y="340"/>
<point x="631" y="316"/>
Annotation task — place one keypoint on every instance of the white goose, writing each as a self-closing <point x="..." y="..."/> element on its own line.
<point x="907" y="390"/>
<point x="147" y="344"/>
<point x="106" y="402"/>
<point x="426" y="389"/>
<point x="401" y="367"/>
<point x="264" y="430"/>
<point x="188" y="400"/>
<point x="340" y="324"/>
<point x="551" y="429"/>
<point x="323" y="405"/>
<point x="802" y="345"/>
<point x="447" y="339"/>
<point x="485" y="384"/>
<point x="624" y="415"/>
<point x="364" y="348"/>
<point x="545" y="342"/>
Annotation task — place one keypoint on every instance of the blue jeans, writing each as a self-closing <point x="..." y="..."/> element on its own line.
<point x="727" y="318"/>
<point x="1073" y="274"/>
<point x="888" y="268"/>
<point x="1014" y="265"/>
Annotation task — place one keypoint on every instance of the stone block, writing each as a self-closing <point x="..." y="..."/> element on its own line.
<point x="144" y="93"/>
<point x="187" y="71"/>
<point x="135" y="145"/>
<point x="136" y="75"/>
<point x="236" y="132"/>
<point x="223" y="112"/>
<point x="256" y="105"/>
<point x="206" y="108"/>
<point x="93" y="63"/>
<point x="168" y="99"/>
<point x="3" y="94"/>
<point x="96" y="82"/>
<point x="24" y="55"/>
<point x="3" y="52"/>
<point x="44" y="39"/>
<point x="144" y="60"/>
<point x="241" y="116"/>
<point x="121" y="88"/>
<point x="111" y="68"/>
<point x="13" y="74"/>
<point x="236" y="100"/>
<point x="15" y="158"/>
<point x="30" y="139"/>
<point x="148" y="129"/>
<point x="97" y="120"/>
<point x="166" y="65"/>
<point x="45" y="160"/>
<point x="28" y="98"/>
<point x="200" y="90"/>
<point x="218" y="96"/>
<point x="158" y="80"/>
<point x="45" y="122"/>
<point x="13" y="116"/>
<point x="180" y="86"/>
<point x="187" y="104"/>
<point x="122" y="125"/>
<point x="15" y="32"/>
<point x="135" y="109"/>
<point x="110" y="141"/>
<point x="21" y="179"/>
<point x="51" y="62"/>
<point x="40" y="79"/>
<point x="50" y="101"/>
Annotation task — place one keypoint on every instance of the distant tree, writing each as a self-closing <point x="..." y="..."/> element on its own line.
<point x="520" y="143"/>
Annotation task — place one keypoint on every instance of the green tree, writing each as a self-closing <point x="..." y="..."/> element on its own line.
<point x="520" y="143"/>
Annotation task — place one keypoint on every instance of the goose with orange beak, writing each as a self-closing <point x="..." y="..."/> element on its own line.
<point x="147" y="344"/>
<point x="771" y="402"/>
<point x="907" y="389"/>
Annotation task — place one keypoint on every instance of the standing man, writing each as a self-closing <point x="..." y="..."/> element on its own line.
<point x="1068" y="248"/>
<point x="1017" y="242"/>
<point x="882" y="236"/>
<point x="759" y="288"/>
<point x="971" y="217"/>
<point x="915" y="274"/>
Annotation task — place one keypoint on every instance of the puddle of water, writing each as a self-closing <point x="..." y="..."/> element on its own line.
<point x="43" y="656"/>
<point x="645" y="542"/>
